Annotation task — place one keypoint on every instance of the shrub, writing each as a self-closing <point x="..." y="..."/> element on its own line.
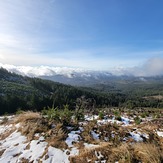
<point x="137" y="120"/>
<point x="51" y="113"/>
<point x="66" y="115"/>
<point x="59" y="115"/>
<point x="116" y="113"/>
<point x="78" y="115"/>
<point x="101" y="115"/>
<point x="118" y="118"/>
<point x="19" y="111"/>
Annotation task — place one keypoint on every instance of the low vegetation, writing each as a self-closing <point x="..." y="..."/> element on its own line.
<point x="100" y="137"/>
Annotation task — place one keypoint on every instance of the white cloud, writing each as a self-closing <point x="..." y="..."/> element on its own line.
<point x="152" y="67"/>
<point x="41" y="70"/>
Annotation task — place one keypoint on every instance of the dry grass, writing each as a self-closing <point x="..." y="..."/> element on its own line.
<point x="148" y="153"/>
<point x="93" y="154"/>
<point x="111" y="149"/>
<point x="31" y="123"/>
<point x="86" y="134"/>
<point x="2" y="151"/>
<point x="124" y="153"/>
<point x="30" y="128"/>
<point x="24" y="160"/>
<point x="26" y="116"/>
<point x="56" y="137"/>
<point x="4" y="120"/>
<point x="148" y="126"/>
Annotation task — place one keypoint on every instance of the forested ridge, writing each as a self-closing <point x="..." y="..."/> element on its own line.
<point x="19" y="92"/>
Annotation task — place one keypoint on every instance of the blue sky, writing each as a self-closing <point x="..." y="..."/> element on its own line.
<point x="90" y="34"/>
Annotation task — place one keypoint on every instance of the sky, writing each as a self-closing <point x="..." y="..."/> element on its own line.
<point x="88" y="34"/>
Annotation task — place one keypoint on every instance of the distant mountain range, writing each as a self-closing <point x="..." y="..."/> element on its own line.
<point x="80" y="77"/>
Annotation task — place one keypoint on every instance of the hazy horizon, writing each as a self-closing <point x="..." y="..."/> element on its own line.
<point x="153" y="67"/>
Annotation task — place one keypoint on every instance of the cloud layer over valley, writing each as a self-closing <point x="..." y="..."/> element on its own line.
<point x="152" y="67"/>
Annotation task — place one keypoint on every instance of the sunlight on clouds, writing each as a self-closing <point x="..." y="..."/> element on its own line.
<point x="41" y="70"/>
<point x="152" y="67"/>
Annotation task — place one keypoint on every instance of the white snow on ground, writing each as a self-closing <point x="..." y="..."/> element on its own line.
<point x="136" y="136"/>
<point x="91" y="117"/>
<point x="56" y="156"/>
<point x="73" y="136"/>
<point x="35" y="151"/>
<point x="160" y="133"/>
<point x="14" y="144"/>
<point x="125" y="120"/>
<point x="15" y="148"/>
<point x="4" y="128"/>
<point x="90" y="145"/>
<point x="145" y="135"/>
<point x="17" y="125"/>
<point x="1" y="119"/>
<point x="8" y="117"/>
<point x="98" y="155"/>
<point x="95" y="136"/>
<point x="106" y="121"/>
<point x="103" y="161"/>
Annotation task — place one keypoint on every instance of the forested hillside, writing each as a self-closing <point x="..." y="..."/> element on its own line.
<point x="18" y="92"/>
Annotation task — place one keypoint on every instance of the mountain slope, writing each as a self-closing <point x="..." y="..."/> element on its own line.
<point x="18" y="92"/>
<point x="33" y="93"/>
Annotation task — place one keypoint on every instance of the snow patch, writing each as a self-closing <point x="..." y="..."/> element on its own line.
<point x="5" y="128"/>
<point x="56" y="156"/>
<point x="136" y="136"/>
<point x="14" y="144"/>
<point x="95" y="136"/>
<point x="125" y="120"/>
<point x="73" y="136"/>
<point x="160" y="133"/>
<point x="90" y="145"/>
<point x="91" y="117"/>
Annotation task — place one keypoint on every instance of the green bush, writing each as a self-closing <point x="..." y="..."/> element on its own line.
<point x="101" y="115"/>
<point x="79" y="115"/>
<point x="116" y="113"/>
<point x="66" y="115"/>
<point x="19" y="111"/>
<point x="59" y="115"/>
<point x="137" y="120"/>
<point x="118" y="118"/>
<point x="51" y="113"/>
